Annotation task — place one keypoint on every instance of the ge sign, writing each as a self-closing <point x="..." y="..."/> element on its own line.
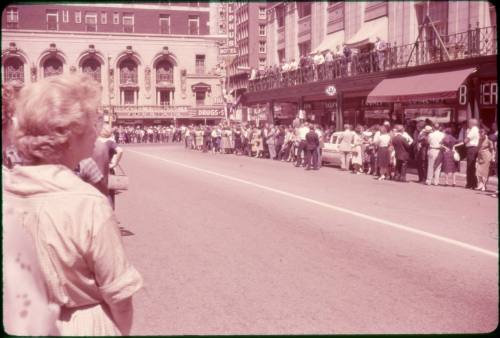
<point x="331" y="90"/>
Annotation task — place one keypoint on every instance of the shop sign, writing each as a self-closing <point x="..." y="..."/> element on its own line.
<point x="331" y="90"/>
<point x="462" y="95"/>
<point x="209" y="112"/>
<point x="331" y="105"/>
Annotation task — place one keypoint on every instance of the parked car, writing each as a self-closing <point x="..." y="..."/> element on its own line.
<point x="331" y="153"/>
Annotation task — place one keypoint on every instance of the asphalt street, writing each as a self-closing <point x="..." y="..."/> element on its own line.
<point x="235" y="245"/>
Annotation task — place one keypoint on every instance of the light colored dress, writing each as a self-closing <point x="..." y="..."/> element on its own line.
<point x="78" y="244"/>
<point x="26" y="308"/>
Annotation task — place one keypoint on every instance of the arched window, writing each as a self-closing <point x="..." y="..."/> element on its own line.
<point x="52" y="67"/>
<point x="92" y="67"/>
<point x="14" y="70"/>
<point x="164" y="72"/>
<point x="128" y="72"/>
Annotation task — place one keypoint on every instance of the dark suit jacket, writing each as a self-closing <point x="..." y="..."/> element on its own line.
<point x="401" y="147"/>
<point x="312" y="140"/>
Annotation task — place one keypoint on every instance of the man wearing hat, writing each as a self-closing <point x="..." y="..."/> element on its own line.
<point x="312" y="144"/>
<point x="422" y="148"/>
<point x="402" y="148"/>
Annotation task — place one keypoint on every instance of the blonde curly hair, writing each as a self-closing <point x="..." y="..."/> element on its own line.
<point x="48" y="112"/>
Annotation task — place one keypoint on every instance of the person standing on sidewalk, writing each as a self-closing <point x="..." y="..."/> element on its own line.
<point x="434" y="158"/>
<point x="484" y="158"/>
<point x="450" y="166"/>
<point x="471" y="142"/>
<point x="402" y="148"/>
<point x="107" y="155"/>
<point x="302" y="132"/>
<point x="312" y="144"/>
<point x="345" y="146"/>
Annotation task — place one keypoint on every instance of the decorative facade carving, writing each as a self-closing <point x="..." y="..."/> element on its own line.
<point x="33" y="73"/>
<point x="147" y="80"/>
<point x="72" y="69"/>
<point x="183" y="82"/>
<point x="111" y="83"/>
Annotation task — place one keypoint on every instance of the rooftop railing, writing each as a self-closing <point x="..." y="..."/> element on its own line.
<point x="472" y="43"/>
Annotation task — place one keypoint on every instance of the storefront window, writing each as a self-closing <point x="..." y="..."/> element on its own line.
<point x="440" y="115"/>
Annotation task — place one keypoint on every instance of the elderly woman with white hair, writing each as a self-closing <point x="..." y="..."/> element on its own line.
<point x="76" y="236"/>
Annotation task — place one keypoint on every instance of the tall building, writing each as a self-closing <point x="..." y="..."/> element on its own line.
<point x="157" y="63"/>
<point x="435" y="39"/>
<point x="250" y="41"/>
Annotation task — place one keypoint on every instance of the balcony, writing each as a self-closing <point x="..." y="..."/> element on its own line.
<point x="470" y="44"/>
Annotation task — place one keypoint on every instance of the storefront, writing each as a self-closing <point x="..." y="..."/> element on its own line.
<point x="321" y="112"/>
<point x="443" y="97"/>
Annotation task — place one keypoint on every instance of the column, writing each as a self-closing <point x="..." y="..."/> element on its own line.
<point x="271" y="111"/>
<point x="157" y="97"/>
<point x="170" y="96"/>
<point x="338" y="113"/>
<point x="173" y="97"/>
<point x="122" y="97"/>
<point x="136" y="97"/>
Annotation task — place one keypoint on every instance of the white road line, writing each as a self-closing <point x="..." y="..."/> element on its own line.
<point x="333" y="207"/>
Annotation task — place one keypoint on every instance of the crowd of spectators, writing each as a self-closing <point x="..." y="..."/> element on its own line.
<point x="321" y="65"/>
<point x="384" y="151"/>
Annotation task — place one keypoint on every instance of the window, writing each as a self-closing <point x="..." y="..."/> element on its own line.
<point x="262" y="30"/>
<point x="12" y="18"/>
<point x="194" y="25"/>
<point x="128" y="23"/>
<point x="65" y="16"/>
<point x="128" y="72"/>
<point x="262" y="63"/>
<point x="281" y="55"/>
<point x="262" y="46"/>
<point x="280" y="16"/>
<point x="78" y="17"/>
<point x="116" y="18"/>
<point x="104" y="18"/>
<point x="52" y="20"/>
<point x="200" y="64"/>
<point x="304" y="48"/>
<point x="14" y="70"/>
<point x="200" y="98"/>
<point x="164" y="24"/>
<point x="304" y="9"/>
<point x="164" y="72"/>
<point x="52" y="67"/>
<point x="262" y="12"/>
<point x="92" y="67"/>
<point x="91" y="22"/>
<point x="128" y="97"/>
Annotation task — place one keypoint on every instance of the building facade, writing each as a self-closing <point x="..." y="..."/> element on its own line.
<point x="251" y="46"/>
<point x="421" y="37"/>
<point x="156" y="63"/>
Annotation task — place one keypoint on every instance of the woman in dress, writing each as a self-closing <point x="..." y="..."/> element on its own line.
<point x="449" y="166"/>
<point x="484" y="158"/>
<point x="76" y="234"/>
<point x="26" y="307"/>
<point x="383" y="155"/>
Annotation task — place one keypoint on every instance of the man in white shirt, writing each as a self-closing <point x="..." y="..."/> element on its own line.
<point x="433" y="164"/>
<point x="471" y="142"/>
<point x="303" y="130"/>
